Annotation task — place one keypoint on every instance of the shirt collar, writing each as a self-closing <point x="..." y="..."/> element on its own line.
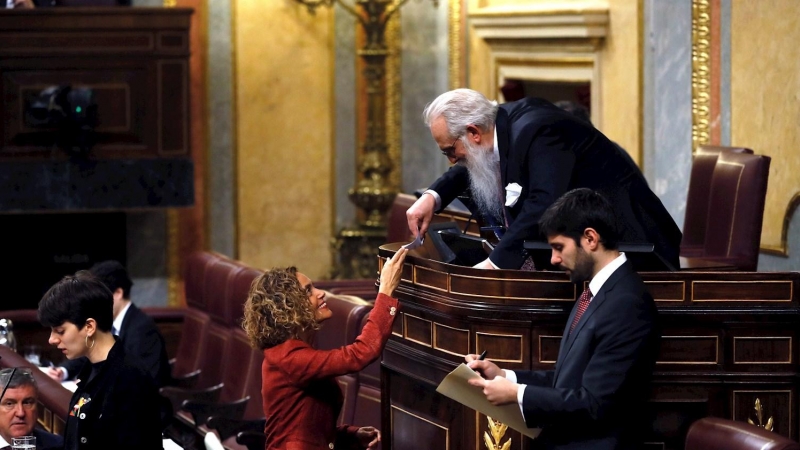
<point x="602" y="276"/>
<point x="3" y="443"/>
<point x="120" y="317"/>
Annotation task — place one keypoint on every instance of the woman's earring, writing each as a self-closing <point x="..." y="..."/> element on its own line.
<point x="86" y="341"/>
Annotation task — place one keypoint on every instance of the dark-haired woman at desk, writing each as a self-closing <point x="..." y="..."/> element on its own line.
<point x="300" y="394"/>
<point x="116" y="405"/>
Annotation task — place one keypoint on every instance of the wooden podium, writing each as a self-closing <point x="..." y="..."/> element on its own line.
<point x="728" y="347"/>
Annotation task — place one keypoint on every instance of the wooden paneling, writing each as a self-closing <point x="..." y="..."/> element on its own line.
<point x="134" y="59"/>
<point x="727" y="339"/>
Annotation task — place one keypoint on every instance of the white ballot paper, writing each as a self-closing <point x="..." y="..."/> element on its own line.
<point x="456" y="387"/>
<point x="415" y="243"/>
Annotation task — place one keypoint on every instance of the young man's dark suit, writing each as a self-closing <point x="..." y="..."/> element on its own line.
<point x="600" y="383"/>
<point x="548" y="151"/>
<point x="143" y="341"/>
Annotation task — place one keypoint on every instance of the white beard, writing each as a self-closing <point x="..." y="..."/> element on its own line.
<point x="484" y="177"/>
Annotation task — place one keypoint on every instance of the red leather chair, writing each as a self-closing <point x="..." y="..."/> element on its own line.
<point x="736" y="209"/>
<point x="695" y="222"/>
<point x="367" y="408"/>
<point x="713" y="433"/>
<point x="397" y="226"/>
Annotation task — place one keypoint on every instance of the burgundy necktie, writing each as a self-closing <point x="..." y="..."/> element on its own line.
<point x="583" y="303"/>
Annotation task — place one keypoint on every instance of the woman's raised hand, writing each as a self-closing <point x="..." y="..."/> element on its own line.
<point x="391" y="273"/>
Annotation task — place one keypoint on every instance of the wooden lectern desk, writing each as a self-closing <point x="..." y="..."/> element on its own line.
<point x="728" y="347"/>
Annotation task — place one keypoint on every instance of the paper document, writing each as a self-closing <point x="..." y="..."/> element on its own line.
<point x="455" y="386"/>
<point x="415" y="243"/>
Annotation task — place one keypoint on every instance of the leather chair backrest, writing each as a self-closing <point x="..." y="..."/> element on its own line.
<point x="192" y="343"/>
<point x="216" y="344"/>
<point x="736" y="209"/>
<point x="218" y="280"/>
<point x="367" y="408"/>
<point x="694" y="223"/>
<point x="237" y="362"/>
<point x="255" y="407"/>
<point x="713" y="433"/>
<point x="238" y="288"/>
<point x="397" y="226"/>
<point x="194" y="276"/>
<point x="345" y="325"/>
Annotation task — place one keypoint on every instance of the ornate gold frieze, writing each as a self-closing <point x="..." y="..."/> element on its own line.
<point x="455" y="44"/>
<point x="701" y="72"/>
<point x="760" y="417"/>
<point x="498" y="430"/>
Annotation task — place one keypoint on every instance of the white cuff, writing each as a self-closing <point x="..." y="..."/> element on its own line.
<point x="436" y="198"/>
<point x="510" y="375"/>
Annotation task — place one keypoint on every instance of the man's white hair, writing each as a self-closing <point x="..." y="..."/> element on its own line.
<point x="460" y="108"/>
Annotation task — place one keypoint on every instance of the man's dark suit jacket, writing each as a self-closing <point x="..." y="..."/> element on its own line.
<point x="601" y="379"/>
<point x="143" y="341"/>
<point x="548" y="151"/>
<point x="47" y="441"/>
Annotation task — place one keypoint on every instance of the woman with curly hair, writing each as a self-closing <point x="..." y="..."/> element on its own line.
<point x="299" y="391"/>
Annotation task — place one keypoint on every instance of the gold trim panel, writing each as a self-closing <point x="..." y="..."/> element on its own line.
<point x="682" y="288"/>
<point x="174" y="287"/>
<point x="447" y="278"/>
<point x="701" y="73"/>
<point x="447" y="430"/>
<point x="783" y="249"/>
<point x="694" y="363"/>
<point x="436" y="339"/>
<point x="788" y="299"/>
<point x="547" y="361"/>
<point x="402" y="321"/>
<point x="787" y="392"/>
<point x="788" y="361"/>
<point x="405" y="329"/>
<point x="478" y="334"/>
<point x="455" y="44"/>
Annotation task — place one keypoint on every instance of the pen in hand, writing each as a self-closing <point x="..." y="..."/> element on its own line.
<point x="482" y="356"/>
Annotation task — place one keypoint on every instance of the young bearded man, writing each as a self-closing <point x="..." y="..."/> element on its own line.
<point x="609" y="345"/>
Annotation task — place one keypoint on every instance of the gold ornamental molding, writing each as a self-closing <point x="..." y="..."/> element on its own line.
<point x="455" y="45"/>
<point x="783" y="249"/>
<point x="760" y="416"/>
<point x="174" y="287"/>
<point x="541" y="20"/>
<point x="701" y="73"/>
<point x="498" y="431"/>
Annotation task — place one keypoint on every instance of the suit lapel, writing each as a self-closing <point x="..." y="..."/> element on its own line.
<point x="597" y="301"/>
<point x="501" y="128"/>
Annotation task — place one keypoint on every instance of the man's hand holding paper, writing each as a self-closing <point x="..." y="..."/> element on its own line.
<point x="498" y="391"/>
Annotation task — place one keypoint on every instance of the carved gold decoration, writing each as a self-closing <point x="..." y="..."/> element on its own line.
<point x="783" y="249"/>
<point x="701" y="72"/>
<point x="455" y="44"/>
<point x="376" y="187"/>
<point x="498" y="430"/>
<point x="760" y="417"/>
<point x="173" y="260"/>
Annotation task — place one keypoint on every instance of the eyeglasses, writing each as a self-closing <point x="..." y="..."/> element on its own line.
<point x="449" y="152"/>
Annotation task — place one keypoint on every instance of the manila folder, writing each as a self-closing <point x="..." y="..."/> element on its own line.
<point x="456" y="387"/>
